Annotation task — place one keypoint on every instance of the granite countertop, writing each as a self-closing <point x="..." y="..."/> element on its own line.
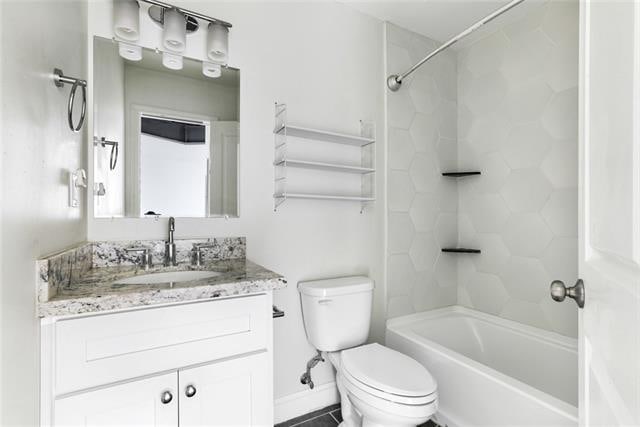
<point x="97" y="289"/>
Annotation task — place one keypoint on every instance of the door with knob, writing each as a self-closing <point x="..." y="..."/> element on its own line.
<point x="609" y="230"/>
<point x="235" y="392"/>
<point x="148" y="402"/>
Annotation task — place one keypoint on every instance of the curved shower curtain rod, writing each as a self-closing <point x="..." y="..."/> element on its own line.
<point x="394" y="81"/>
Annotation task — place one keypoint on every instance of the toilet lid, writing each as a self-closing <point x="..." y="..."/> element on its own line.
<point x="388" y="370"/>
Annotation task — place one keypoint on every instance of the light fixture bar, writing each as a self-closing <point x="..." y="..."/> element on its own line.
<point x="187" y="12"/>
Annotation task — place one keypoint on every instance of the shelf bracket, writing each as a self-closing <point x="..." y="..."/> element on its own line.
<point x="277" y="202"/>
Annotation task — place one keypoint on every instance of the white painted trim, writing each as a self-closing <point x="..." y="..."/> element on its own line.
<point x="294" y="405"/>
<point x="445" y="420"/>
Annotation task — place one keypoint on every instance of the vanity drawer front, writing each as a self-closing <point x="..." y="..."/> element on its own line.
<point x="102" y="349"/>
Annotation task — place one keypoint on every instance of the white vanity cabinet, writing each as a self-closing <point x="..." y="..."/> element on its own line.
<point x="136" y="403"/>
<point x="205" y="363"/>
<point x="228" y="393"/>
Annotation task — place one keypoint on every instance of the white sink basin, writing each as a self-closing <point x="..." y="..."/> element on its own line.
<point x="167" y="277"/>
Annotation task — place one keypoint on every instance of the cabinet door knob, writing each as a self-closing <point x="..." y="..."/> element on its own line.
<point x="166" y="397"/>
<point x="190" y="391"/>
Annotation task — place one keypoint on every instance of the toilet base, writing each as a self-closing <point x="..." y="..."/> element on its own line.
<point x="366" y="423"/>
<point x="374" y="417"/>
<point x="358" y="413"/>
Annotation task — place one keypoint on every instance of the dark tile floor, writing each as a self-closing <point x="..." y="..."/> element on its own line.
<point x="326" y="417"/>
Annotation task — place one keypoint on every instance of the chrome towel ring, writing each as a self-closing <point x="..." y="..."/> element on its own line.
<point x="113" y="158"/>
<point x="59" y="79"/>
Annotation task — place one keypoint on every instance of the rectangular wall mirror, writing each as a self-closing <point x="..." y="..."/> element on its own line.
<point x="166" y="142"/>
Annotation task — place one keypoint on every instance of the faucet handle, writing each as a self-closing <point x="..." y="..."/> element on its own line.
<point x="146" y="259"/>
<point x="197" y="251"/>
<point x="204" y="245"/>
<point x="138" y="249"/>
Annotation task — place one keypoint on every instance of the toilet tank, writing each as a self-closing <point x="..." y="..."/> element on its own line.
<point x="337" y="312"/>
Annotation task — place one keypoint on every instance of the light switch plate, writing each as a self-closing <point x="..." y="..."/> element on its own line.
<point x="77" y="180"/>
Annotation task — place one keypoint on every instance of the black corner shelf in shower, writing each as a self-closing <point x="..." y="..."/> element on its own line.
<point x="461" y="250"/>
<point x="460" y="174"/>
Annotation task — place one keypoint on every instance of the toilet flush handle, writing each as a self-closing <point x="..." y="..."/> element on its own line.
<point x="325" y="301"/>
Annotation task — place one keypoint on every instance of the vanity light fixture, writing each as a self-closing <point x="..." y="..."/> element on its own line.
<point x="126" y="19"/>
<point x="218" y="43"/>
<point x="172" y="61"/>
<point x="176" y="23"/>
<point x="129" y="51"/>
<point x="211" y="69"/>
<point x="175" y="31"/>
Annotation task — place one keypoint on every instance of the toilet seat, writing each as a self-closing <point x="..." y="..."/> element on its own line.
<point x="388" y="374"/>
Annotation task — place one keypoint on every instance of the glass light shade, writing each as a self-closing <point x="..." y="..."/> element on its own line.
<point x="172" y="61"/>
<point x="129" y="51"/>
<point x="175" y="31"/>
<point x="211" y="69"/>
<point x="218" y="43"/>
<point x="126" y="19"/>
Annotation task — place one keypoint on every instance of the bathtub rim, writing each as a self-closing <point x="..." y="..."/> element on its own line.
<point x="398" y="325"/>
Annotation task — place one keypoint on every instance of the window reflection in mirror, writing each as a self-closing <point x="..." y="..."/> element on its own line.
<point x="177" y="134"/>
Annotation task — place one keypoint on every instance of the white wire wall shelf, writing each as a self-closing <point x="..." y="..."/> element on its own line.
<point x="321" y="135"/>
<point x="305" y="164"/>
<point x="323" y="197"/>
<point x="342" y="174"/>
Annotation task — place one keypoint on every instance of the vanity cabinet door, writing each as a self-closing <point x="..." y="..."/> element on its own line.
<point x="234" y="392"/>
<point x="148" y="402"/>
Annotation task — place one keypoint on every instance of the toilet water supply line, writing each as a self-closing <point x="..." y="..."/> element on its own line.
<point x="306" y="377"/>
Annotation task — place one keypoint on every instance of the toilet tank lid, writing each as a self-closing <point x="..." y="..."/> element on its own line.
<point x="336" y="286"/>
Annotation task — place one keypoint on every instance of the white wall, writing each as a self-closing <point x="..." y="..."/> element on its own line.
<point x="422" y="204"/>
<point x="38" y="150"/>
<point x="325" y="61"/>
<point x="2" y="322"/>
<point x="517" y="123"/>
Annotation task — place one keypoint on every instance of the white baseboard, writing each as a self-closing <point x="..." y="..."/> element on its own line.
<point x="446" y="421"/>
<point x="294" y="405"/>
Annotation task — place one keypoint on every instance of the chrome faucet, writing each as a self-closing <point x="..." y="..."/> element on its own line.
<point x="170" y="246"/>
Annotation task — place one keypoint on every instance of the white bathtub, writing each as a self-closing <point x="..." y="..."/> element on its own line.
<point x="491" y="371"/>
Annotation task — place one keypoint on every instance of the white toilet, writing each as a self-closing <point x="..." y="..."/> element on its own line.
<point x="378" y="386"/>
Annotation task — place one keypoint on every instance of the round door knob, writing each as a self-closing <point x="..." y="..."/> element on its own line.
<point x="166" y="397"/>
<point x="559" y="292"/>
<point x="190" y="391"/>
